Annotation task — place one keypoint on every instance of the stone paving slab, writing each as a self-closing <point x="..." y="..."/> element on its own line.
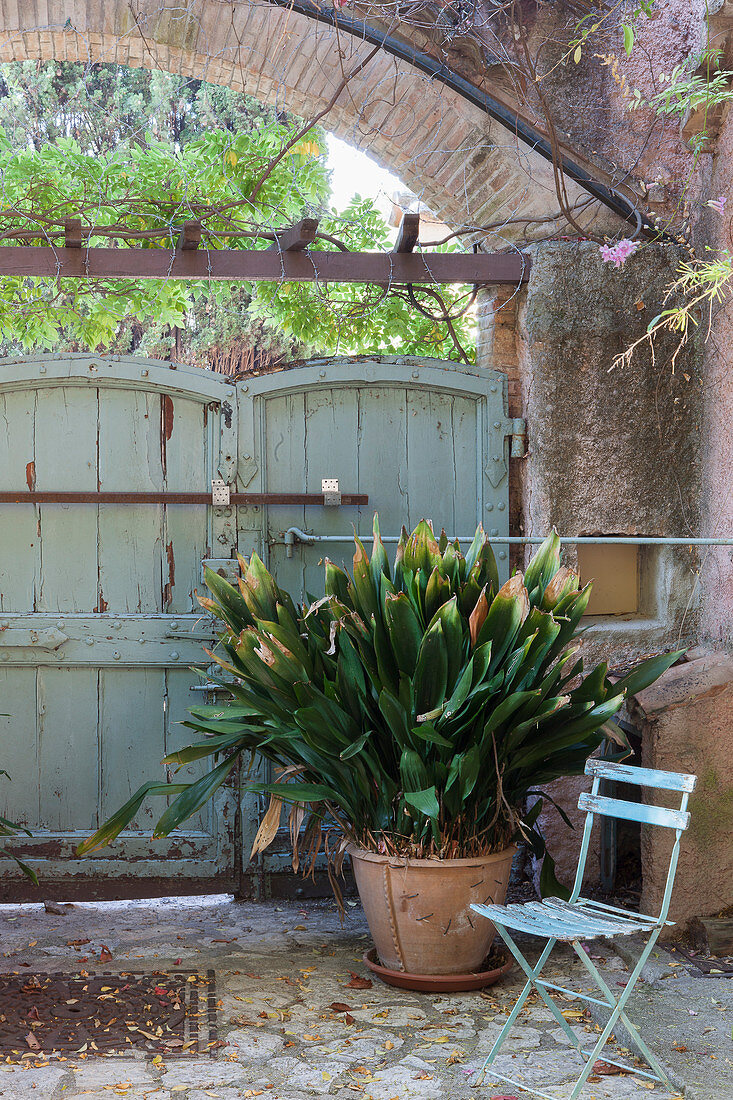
<point x="280" y="969"/>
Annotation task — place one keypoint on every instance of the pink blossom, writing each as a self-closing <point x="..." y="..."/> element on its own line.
<point x="618" y="253"/>
<point x="717" y="204"/>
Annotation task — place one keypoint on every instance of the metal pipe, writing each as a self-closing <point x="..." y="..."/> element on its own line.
<point x="504" y="115"/>
<point x="294" y="534"/>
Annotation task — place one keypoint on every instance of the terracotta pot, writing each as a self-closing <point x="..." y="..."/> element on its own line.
<point x="418" y="909"/>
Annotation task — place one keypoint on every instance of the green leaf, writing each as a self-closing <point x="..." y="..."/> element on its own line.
<point x="646" y="673"/>
<point x="550" y="886"/>
<point x="425" y="801"/>
<point x="193" y="797"/>
<point x="431" y="672"/>
<point x="628" y="38"/>
<point x="114" y="826"/>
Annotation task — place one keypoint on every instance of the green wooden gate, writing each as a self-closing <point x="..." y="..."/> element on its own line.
<point x="421" y="437"/>
<point x="96" y="601"/>
<point x="99" y="623"/>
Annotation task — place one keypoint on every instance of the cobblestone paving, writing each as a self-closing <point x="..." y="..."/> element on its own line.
<point x="280" y="970"/>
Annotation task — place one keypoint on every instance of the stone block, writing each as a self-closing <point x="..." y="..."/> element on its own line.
<point x="688" y="727"/>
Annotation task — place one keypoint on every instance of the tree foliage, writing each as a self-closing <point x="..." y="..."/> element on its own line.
<point x="134" y="155"/>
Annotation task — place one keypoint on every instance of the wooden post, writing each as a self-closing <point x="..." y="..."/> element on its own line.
<point x="409" y="233"/>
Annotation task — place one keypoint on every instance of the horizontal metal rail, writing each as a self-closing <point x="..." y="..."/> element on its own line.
<point x="384" y="268"/>
<point x="53" y="497"/>
<point x="296" y="535"/>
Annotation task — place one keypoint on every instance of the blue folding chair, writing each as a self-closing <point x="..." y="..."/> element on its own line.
<point x="581" y="919"/>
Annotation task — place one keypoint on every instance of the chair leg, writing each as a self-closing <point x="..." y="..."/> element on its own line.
<point x="615" y="1015"/>
<point x="532" y="974"/>
<point x="618" y="1012"/>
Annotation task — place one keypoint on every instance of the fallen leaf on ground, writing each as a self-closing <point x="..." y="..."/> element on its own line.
<point x="357" y="982"/>
<point x="339" y="1006"/>
<point x="32" y="1041"/>
<point x="607" y="1069"/>
<point x="105" y="955"/>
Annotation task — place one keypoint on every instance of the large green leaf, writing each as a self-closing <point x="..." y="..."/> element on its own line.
<point x="193" y="797"/>
<point x="431" y="672"/>
<point x="646" y="673"/>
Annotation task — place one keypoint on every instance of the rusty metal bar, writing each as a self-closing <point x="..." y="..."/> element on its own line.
<point x="53" y="497"/>
<point x="273" y="266"/>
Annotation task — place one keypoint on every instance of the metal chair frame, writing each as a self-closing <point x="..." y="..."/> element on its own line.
<point x="581" y="919"/>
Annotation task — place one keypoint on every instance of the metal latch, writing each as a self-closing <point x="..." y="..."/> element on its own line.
<point x="330" y="490"/>
<point x="220" y="492"/>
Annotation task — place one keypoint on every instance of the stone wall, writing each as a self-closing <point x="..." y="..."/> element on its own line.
<point x="687" y="719"/>
<point x="610" y="451"/>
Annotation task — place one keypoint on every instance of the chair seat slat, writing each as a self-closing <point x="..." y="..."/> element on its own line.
<point x="634" y="811"/>
<point x="569" y="914"/>
<point x="611" y="920"/>
<point x="643" y="777"/>
<point x="537" y="919"/>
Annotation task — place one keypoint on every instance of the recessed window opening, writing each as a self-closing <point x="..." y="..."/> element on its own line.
<point x="614" y="570"/>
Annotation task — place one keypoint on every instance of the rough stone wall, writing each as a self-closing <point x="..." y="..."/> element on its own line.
<point x="716" y="574"/>
<point x="612" y="451"/>
<point x="688" y="718"/>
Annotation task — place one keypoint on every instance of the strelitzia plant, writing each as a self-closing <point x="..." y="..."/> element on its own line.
<point x="417" y="707"/>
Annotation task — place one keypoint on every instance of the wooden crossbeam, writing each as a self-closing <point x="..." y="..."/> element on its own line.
<point x="296" y="237"/>
<point x="408" y="234"/>
<point x="483" y="268"/>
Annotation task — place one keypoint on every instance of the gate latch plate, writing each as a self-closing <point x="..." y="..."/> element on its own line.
<point x="330" y="490"/>
<point x="220" y="493"/>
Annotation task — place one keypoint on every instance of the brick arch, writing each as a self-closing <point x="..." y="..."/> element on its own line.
<point x="466" y="166"/>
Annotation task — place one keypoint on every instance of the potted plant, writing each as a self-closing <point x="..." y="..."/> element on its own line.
<point x="415" y="707"/>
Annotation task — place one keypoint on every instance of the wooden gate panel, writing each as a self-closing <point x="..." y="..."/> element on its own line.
<point x="130" y="536"/>
<point x="98" y="608"/>
<point x="66" y="457"/>
<point x="19" y="543"/>
<point x="190" y="460"/>
<point x="19" y="754"/>
<point x="68" y="748"/>
<point x="131" y="739"/>
<point x="178" y="701"/>
<point x="418" y="437"/>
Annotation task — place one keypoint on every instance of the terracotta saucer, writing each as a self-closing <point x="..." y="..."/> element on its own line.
<point x="436" y="983"/>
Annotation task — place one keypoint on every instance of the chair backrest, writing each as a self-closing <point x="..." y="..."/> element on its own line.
<point x="637" y="811"/>
<point x="605" y="806"/>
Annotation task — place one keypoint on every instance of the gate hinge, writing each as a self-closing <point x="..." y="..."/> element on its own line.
<point x="330" y="490"/>
<point x="518" y="435"/>
<point x="220" y="492"/>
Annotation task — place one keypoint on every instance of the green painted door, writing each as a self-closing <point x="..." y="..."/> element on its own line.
<point x="421" y="437"/>
<point x="96" y="601"/>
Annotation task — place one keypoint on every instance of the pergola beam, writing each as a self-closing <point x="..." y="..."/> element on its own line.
<point x="481" y="268"/>
<point x="409" y="233"/>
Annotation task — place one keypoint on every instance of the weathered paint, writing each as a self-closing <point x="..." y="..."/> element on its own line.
<point x="421" y="437"/>
<point x="95" y="605"/>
